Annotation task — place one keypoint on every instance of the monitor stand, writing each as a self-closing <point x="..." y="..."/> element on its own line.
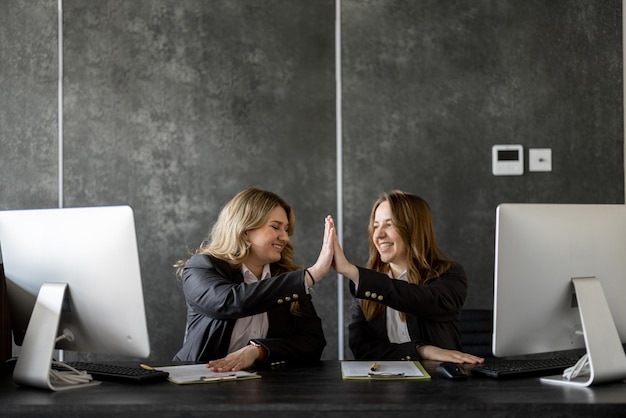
<point x="607" y="361"/>
<point x="35" y="359"/>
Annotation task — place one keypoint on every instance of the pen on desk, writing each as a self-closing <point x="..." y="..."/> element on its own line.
<point x="218" y="378"/>
<point x="374" y="366"/>
<point x="385" y="375"/>
<point x="146" y="367"/>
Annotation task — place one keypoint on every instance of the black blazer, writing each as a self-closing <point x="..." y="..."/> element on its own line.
<point x="433" y="314"/>
<point x="217" y="296"/>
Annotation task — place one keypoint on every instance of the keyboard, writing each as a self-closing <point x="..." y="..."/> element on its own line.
<point x="126" y="374"/>
<point x="501" y="369"/>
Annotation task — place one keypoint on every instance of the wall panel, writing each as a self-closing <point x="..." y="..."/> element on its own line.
<point x="28" y="104"/>
<point x="174" y="106"/>
<point x="430" y="86"/>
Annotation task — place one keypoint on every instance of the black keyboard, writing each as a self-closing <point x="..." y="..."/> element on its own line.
<point x="127" y="374"/>
<point x="501" y="369"/>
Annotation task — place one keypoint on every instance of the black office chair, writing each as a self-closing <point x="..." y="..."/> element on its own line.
<point x="476" y="330"/>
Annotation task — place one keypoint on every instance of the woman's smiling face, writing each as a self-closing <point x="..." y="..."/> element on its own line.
<point x="388" y="242"/>
<point x="268" y="241"/>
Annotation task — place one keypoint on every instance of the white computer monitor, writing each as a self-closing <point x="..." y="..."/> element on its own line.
<point x="538" y="307"/>
<point x="72" y="272"/>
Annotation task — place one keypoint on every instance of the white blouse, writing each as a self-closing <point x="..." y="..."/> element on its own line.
<point x="397" y="329"/>
<point x="249" y="327"/>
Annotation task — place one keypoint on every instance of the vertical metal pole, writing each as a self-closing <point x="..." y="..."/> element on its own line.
<point x="339" y="217"/>
<point x="60" y="354"/>
<point x="60" y="100"/>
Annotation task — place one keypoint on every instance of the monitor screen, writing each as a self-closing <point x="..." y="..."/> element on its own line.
<point x="539" y="249"/>
<point x="92" y="254"/>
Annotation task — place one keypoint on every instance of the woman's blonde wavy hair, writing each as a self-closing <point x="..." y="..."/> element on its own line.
<point x="412" y="218"/>
<point x="248" y="210"/>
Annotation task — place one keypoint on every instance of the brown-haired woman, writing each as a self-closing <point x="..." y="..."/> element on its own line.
<point x="408" y="300"/>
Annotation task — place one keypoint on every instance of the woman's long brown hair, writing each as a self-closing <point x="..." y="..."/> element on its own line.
<point x="412" y="218"/>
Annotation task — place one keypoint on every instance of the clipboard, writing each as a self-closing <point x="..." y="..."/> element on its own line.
<point x="188" y="374"/>
<point x="383" y="370"/>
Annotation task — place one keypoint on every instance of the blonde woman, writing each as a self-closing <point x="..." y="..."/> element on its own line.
<point x="408" y="300"/>
<point x="248" y="303"/>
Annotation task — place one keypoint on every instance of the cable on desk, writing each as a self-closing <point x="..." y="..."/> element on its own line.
<point x="581" y="368"/>
<point x="70" y="376"/>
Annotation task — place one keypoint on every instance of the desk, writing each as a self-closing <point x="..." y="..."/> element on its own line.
<point x="318" y="391"/>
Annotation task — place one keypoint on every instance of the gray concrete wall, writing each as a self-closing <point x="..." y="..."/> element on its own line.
<point x="174" y="106"/>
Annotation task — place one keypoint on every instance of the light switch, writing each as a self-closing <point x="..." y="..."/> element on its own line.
<point x="540" y="159"/>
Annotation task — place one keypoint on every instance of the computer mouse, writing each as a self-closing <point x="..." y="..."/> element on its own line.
<point x="450" y="370"/>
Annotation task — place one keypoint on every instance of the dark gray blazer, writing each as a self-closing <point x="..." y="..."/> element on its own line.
<point x="433" y="314"/>
<point x="217" y="296"/>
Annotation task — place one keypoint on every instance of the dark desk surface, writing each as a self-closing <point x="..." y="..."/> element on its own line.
<point x="318" y="391"/>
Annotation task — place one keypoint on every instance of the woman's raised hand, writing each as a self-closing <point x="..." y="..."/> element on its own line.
<point x="325" y="260"/>
<point x="341" y="263"/>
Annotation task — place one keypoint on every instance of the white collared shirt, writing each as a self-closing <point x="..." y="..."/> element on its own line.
<point x="250" y="327"/>
<point x="397" y="329"/>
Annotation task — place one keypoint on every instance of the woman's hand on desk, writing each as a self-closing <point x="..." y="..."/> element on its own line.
<point x="235" y="361"/>
<point x="430" y="352"/>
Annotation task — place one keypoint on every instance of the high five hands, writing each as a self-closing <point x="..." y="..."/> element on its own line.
<point x="332" y="255"/>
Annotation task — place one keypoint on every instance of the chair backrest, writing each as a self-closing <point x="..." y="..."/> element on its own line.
<point x="476" y="331"/>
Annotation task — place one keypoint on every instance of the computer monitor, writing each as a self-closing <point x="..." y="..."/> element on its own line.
<point x="560" y="284"/>
<point x="73" y="283"/>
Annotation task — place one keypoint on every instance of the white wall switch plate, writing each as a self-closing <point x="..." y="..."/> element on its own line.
<point x="540" y="159"/>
